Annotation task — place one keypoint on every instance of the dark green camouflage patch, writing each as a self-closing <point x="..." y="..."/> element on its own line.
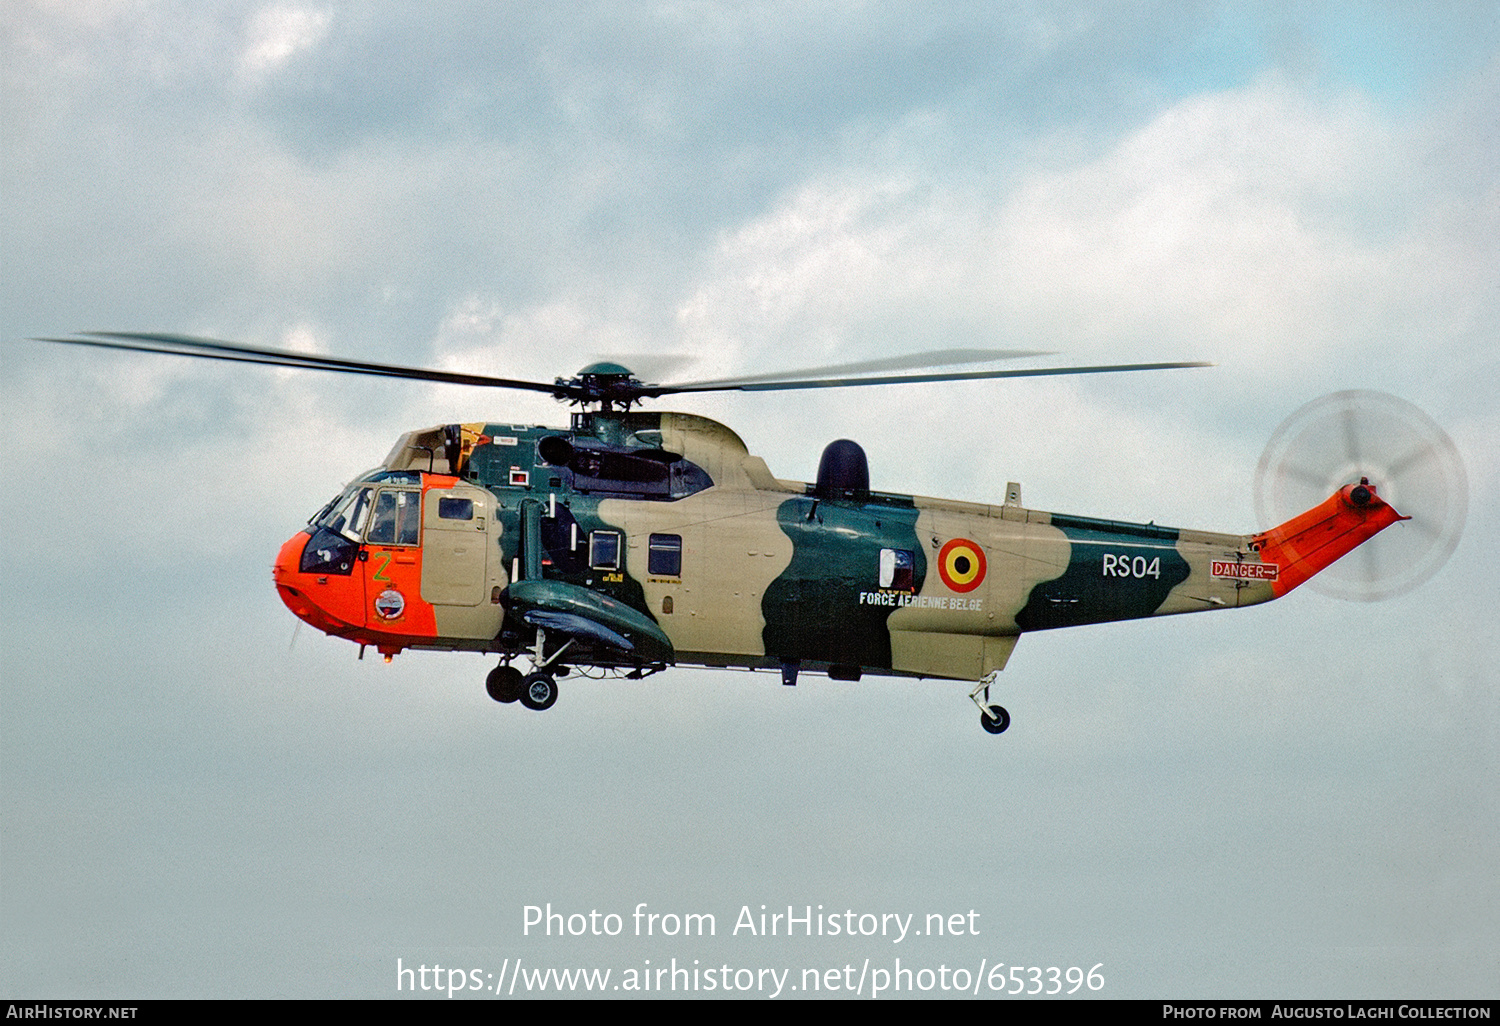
<point x="813" y="611"/>
<point x="1116" y="571"/>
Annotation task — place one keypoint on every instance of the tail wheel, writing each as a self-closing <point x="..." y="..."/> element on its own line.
<point x="995" y="719"/>
<point x="1413" y="464"/>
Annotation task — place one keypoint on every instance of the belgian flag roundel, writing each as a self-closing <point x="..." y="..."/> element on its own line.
<point x="961" y="565"/>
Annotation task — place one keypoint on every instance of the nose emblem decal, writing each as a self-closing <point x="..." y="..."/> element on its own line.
<point x="390" y="604"/>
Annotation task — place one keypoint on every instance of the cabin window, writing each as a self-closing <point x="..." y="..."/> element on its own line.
<point x="897" y="570"/>
<point x="665" y="555"/>
<point x="456" y="509"/>
<point x="604" y="550"/>
<point x="397" y="518"/>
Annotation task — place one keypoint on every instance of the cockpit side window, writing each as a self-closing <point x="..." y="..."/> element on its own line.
<point x="397" y="519"/>
<point x="346" y="515"/>
<point x="359" y="513"/>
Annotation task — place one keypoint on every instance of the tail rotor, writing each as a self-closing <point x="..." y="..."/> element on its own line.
<point x="1345" y="437"/>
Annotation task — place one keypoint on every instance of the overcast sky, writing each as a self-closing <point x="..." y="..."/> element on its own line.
<point x="198" y="799"/>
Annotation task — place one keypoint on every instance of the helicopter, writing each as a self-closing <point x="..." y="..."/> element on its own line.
<point x="633" y="541"/>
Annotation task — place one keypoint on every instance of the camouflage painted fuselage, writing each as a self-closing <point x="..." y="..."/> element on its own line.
<point x="653" y="539"/>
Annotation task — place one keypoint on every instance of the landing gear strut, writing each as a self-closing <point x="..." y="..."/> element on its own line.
<point x="992" y="718"/>
<point x="537" y="689"/>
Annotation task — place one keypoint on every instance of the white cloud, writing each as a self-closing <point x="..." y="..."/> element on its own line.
<point x="1281" y="233"/>
<point x="1278" y="231"/>
<point x="276" y="34"/>
<point x="480" y="336"/>
<point x="806" y="269"/>
<point x="303" y="338"/>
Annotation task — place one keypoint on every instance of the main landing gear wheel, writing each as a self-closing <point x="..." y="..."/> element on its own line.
<point x="504" y="684"/>
<point x="995" y="719"/>
<point x="538" y="691"/>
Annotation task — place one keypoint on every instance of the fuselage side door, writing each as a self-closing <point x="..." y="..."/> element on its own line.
<point x="462" y="575"/>
<point x="392" y="562"/>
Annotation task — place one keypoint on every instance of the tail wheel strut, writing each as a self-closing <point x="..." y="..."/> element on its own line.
<point x="993" y="718"/>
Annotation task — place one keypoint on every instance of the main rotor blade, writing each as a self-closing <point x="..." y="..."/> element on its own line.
<point x="623" y="391"/>
<point x="909" y="379"/>
<point x="934" y="358"/>
<point x="213" y="349"/>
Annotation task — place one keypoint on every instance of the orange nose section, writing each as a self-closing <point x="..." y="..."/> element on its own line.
<point x="284" y="573"/>
<point x="288" y="559"/>
<point x="295" y="587"/>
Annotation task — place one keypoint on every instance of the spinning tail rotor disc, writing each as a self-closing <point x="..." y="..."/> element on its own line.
<point x="1413" y="464"/>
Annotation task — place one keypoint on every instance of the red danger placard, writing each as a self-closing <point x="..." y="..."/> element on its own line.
<point x="1246" y="571"/>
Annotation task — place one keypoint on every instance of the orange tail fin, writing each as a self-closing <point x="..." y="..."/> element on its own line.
<point x="1311" y="541"/>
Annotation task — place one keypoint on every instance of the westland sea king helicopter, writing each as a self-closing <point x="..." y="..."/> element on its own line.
<point x="634" y="541"/>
